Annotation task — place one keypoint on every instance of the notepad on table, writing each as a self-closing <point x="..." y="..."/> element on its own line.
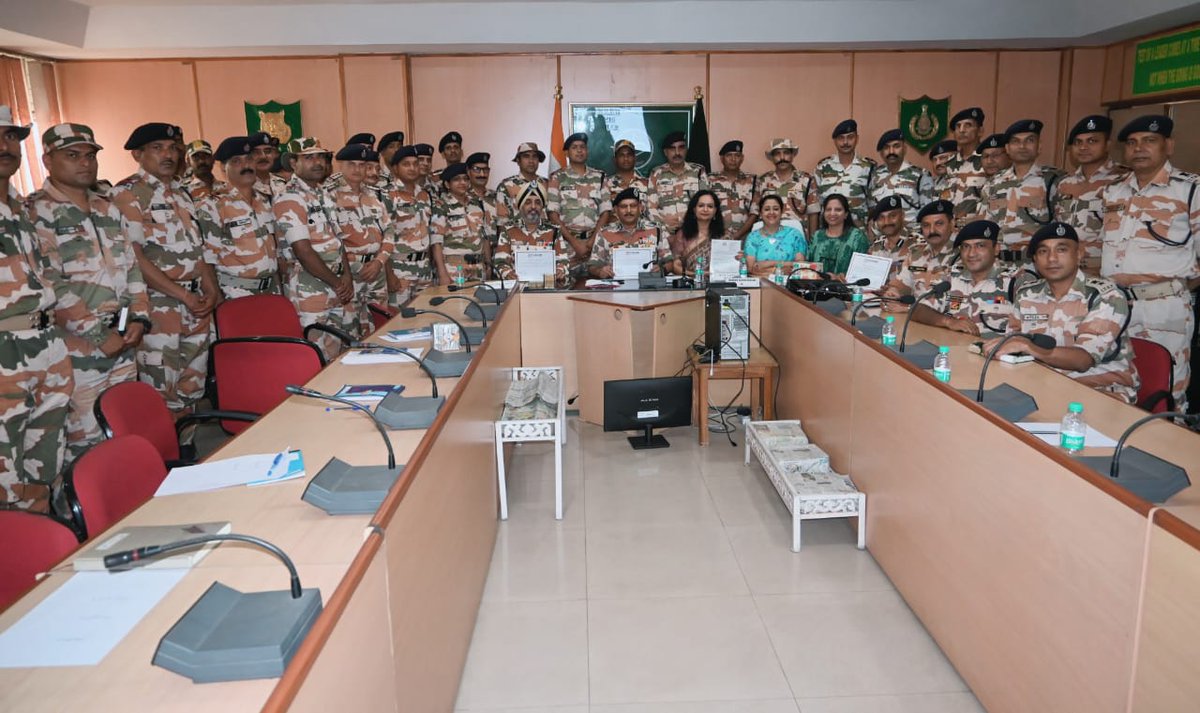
<point x="381" y="355"/>
<point x="416" y="334"/>
<point x="258" y="469"/>
<point x="367" y="392"/>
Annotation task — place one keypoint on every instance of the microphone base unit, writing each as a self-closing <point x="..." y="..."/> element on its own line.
<point x="651" y="281"/>
<point x="229" y="635"/>
<point x="871" y="327"/>
<point x="479" y="312"/>
<point x="401" y="413"/>
<point x="920" y="355"/>
<point x="1005" y="400"/>
<point x="484" y="295"/>
<point x="447" y="364"/>
<point x="475" y="334"/>
<point x="1146" y="476"/>
<point x="833" y="305"/>
<point x="344" y="489"/>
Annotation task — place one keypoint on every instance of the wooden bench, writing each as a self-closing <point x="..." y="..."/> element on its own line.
<point x="534" y="410"/>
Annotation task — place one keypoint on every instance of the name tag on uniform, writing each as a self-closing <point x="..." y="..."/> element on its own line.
<point x="64" y="229"/>
<point x="237" y="222"/>
<point x="1035" y="317"/>
<point x="916" y="268"/>
<point x="161" y="206"/>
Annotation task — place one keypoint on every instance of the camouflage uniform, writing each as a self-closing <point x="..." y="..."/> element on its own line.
<point x="95" y="274"/>
<point x="461" y="229"/>
<point x="922" y="268"/>
<point x="516" y="237"/>
<point x="616" y="235"/>
<point x="239" y="242"/>
<point x="411" y="215"/>
<point x="490" y="201"/>
<point x="912" y="183"/>
<point x="199" y="190"/>
<point x="799" y="194"/>
<point x="367" y="235"/>
<point x="851" y="181"/>
<point x="1079" y="202"/>
<point x="986" y="303"/>
<point x="1162" y="304"/>
<point x="507" y="193"/>
<point x="737" y="199"/>
<point x="303" y="212"/>
<point x="965" y="179"/>
<point x="668" y="193"/>
<point x="35" y="370"/>
<point x="1091" y="316"/>
<point x="903" y="244"/>
<point x="173" y="356"/>
<point x="579" y="201"/>
<point x="1019" y="206"/>
<point x="615" y="185"/>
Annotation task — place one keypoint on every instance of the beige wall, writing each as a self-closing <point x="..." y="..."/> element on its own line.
<point x="499" y="101"/>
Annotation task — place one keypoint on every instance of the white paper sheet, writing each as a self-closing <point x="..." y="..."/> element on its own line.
<point x="533" y="264"/>
<point x="257" y="469"/>
<point x="627" y="262"/>
<point x="85" y="618"/>
<point x="381" y="355"/>
<point x="725" y="264"/>
<point x="400" y="336"/>
<point x="872" y="267"/>
<point x="1048" y="432"/>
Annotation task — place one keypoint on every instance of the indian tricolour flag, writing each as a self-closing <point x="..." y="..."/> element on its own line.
<point x="558" y="157"/>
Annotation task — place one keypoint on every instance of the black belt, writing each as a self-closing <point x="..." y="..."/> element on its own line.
<point x="40" y="320"/>
<point x="192" y="285"/>
<point x="363" y="259"/>
<point x="416" y="256"/>
<point x="1011" y="256"/>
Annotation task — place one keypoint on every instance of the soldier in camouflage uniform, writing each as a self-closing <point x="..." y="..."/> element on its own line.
<point x="1150" y="244"/>
<point x="239" y="227"/>
<point x="965" y="174"/>
<point x="528" y="158"/>
<point x="451" y="149"/>
<point x="928" y="261"/>
<point x="365" y="230"/>
<point x="387" y="147"/>
<point x="671" y="185"/>
<point x="425" y="158"/>
<point x="1078" y="196"/>
<point x="626" y="176"/>
<point x="578" y="201"/>
<point x="533" y="231"/>
<point x="411" y="217"/>
<point x="461" y="228"/>
<point x="989" y="159"/>
<point x="202" y="182"/>
<point x="941" y="156"/>
<point x="321" y="286"/>
<point x="630" y="230"/>
<point x="265" y="152"/>
<point x="897" y="177"/>
<point x="978" y="302"/>
<point x="1087" y="316"/>
<point x="94" y="272"/>
<point x="161" y="218"/>
<point x="1018" y="199"/>
<point x="478" y="173"/>
<point x="735" y="189"/>
<point x="894" y="238"/>
<point x="35" y="370"/>
<point x="846" y="172"/>
<point x="336" y="179"/>
<point x="795" y="188"/>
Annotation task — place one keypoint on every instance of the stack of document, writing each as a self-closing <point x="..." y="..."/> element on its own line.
<point x="381" y="355"/>
<point x="416" y="334"/>
<point x="260" y="469"/>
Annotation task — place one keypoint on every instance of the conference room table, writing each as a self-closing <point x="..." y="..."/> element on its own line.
<point x="1047" y="586"/>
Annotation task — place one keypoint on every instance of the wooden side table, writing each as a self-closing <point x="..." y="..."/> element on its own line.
<point x="761" y="369"/>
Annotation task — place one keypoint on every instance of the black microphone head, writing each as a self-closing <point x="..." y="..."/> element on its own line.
<point x="437" y="301"/>
<point x="907" y="299"/>
<point x="860" y="282"/>
<point x="940" y="288"/>
<point x="407" y="312"/>
<point x="1044" y="341"/>
<point x="293" y="389"/>
<point x="452" y="288"/>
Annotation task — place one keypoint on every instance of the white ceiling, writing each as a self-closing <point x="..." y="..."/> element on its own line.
<point x="196" y="28"/>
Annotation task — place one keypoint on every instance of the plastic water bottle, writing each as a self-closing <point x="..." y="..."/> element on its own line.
<point x="778" y="274"/>
<point x="743" y="270"/>
<point x="459" y="278"/>
<point x="1073" y="430"/>
<point x="888" y="336"/>
<point x="699" y="270"/>
<point x="941" y="365"/>
<point x="856" y="294"/>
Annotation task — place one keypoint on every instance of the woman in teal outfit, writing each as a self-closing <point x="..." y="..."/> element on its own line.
<point x="773" y="244"/>
<point x="836" y="243"/>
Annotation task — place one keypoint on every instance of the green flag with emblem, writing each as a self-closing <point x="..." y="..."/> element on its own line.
<point x="924" y="121"/>
<point x="279" y="120"/>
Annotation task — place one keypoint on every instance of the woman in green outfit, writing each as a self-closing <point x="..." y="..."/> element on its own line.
<point x="834" y="244"/>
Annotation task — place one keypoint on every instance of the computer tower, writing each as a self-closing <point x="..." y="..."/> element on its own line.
<point x="727" y="323"/>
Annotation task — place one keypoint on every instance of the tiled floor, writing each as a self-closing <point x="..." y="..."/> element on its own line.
<point x="669" y="587"/>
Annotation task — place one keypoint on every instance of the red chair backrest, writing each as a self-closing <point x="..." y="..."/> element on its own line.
<point x="250" y="373"/>
<point x="113" y="478"/>
<point x="380" y="314"/>
<point x="134" y="407"/>
<point x="258" y="316"/>
<point x="1156" y="369"/>
<point x="33" y="543"/>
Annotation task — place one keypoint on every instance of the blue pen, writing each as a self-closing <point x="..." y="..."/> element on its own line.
<point x="278" y="459"/>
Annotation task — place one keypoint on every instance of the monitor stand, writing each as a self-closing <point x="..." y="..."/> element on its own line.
<point x="648" y="440"/>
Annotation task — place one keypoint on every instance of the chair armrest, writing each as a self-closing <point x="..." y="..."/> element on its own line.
<point x="216" y="415"/>
<point x="1152" y="401"/>
<point x="344" y="338"/>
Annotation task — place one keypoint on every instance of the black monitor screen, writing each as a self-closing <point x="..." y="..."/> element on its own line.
<point x="634" y="404"/>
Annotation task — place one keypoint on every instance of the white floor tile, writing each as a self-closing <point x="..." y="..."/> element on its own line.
<point x="533" y="563"/>
<point x="920" y="703"/>
<point x="527" y="654"/>
<point x="531" y="499"/>
<point x="750" y="501"/>
<point x="780" y="706"/>
<point x="552" y="709"/>
<point x="619" y="499"/>
<point x="854" y="644"/>
<point x="692" y="649"/>
<point x="828" y="561"/>
<point x="661" y="561"/>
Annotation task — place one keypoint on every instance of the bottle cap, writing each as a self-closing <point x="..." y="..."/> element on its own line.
<point x="1075" y="407"/>
<point x="891" y="319"/>
<point x="943" y="350"/>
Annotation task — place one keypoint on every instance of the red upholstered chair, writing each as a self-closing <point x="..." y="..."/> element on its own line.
<point x="135" y="407"/>
<point x="266" y="316"/>
<point x="110" y="480"/>
<point x="380" y="314"/>
<point x="1156" y="368"/>
<point x="33" y="543"/>
<point x="249" y="373"/>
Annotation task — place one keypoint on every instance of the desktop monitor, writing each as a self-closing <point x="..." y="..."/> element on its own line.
<point x="646" y="404"/>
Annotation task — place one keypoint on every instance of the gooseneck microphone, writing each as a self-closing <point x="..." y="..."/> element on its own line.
<point x="904" y="300"/>
<point x="480" y="283"/>
<point x="938" y="290"/>
<point x="401" y="352"/>
<point x="410" y="312"/>
<point x="1044" y="341"/>
<point x="441" y="300"/>
<point x="126" y="558"/>
<point x="387" y="442"/>
<point x="1190" y="420"/>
